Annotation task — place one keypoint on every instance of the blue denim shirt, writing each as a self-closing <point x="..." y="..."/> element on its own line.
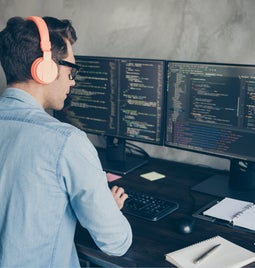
<point x="50" y="177"/>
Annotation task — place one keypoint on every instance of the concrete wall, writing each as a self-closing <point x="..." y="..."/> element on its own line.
<point x="196" y="30"/>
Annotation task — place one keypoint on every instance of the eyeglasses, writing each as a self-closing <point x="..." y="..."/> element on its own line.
<point x="74" y="70"/>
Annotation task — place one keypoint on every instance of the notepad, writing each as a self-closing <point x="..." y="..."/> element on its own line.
<point x="228" y="254"/>
<point x="237" y="212"/>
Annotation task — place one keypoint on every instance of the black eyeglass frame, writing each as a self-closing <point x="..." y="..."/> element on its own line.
<point x="75" y="68"/>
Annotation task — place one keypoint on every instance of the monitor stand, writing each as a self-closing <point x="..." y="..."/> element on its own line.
<point x="239" y="184"/>
<point x="115" y="159"/>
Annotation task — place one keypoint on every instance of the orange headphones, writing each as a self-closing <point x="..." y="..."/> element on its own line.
<point x="43" y="70"/>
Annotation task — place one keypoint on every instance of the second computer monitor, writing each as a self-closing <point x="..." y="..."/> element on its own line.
<point x="211" y="110"/>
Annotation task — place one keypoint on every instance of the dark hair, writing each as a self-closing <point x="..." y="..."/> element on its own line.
<point x="20" y="45"/>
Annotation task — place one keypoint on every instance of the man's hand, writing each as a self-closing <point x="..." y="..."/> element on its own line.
<point x="119" y="195"/>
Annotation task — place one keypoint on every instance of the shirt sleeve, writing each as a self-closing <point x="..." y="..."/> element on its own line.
<point x="90" y="196"/>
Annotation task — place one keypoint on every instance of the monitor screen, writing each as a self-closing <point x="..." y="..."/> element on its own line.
<point x="119" y="98"/>
<point x="211" y="109"/>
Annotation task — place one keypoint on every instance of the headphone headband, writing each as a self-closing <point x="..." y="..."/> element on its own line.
<point x="43" y="31"/>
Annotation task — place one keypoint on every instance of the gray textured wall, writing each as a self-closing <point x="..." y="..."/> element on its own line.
<point x="197" y="30"/>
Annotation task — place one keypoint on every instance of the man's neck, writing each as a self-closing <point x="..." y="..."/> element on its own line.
<point x="33" y="88"/>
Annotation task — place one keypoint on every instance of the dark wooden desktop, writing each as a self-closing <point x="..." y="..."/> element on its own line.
<point x="152" y="240"/>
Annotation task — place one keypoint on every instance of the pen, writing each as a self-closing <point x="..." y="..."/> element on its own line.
<point x="206" y="254"/>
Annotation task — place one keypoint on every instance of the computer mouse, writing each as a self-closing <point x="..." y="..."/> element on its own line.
<point x="185" y="225"/>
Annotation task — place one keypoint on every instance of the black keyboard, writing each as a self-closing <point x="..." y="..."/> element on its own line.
<point x="147" y="206"/>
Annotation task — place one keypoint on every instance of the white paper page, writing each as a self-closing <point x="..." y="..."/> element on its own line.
<point x="246" y="219"/>
<point x="226" y="209"/>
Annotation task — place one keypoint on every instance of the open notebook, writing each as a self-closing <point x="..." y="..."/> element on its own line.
<point x="237" y="212"/>
<point x="227" y="255"/>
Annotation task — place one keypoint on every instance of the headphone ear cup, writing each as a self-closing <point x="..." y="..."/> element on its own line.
<point x="44" y="72"/>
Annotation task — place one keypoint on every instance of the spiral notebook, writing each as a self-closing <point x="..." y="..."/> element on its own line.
<point x="237" y="212"/>
<point x="227" y="255"/>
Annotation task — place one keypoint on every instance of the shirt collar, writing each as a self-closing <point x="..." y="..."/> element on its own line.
<point x="21" y="95"/>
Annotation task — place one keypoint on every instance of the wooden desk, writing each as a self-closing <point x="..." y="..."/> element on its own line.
<point x="151" y="240"/>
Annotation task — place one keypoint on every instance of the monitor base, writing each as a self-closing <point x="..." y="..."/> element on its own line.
<point x="218" y="185"/>
<point x="121" y="167"/>
<point x="115" y="158"/>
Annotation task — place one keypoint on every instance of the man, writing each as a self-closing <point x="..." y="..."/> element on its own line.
<point x="50" y="174"/>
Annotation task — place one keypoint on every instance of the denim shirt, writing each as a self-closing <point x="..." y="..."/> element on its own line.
<point x="50" y="177"/>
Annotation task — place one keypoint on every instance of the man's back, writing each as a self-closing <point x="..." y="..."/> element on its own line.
<point x="40" y="203"/>
<point x="35" y="212"/>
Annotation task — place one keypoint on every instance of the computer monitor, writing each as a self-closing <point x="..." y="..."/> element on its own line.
<point x="211" y="110"/>
<point x="121" y="99"/>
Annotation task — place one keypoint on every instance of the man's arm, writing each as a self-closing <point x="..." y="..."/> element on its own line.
<point x="95" y="205"/>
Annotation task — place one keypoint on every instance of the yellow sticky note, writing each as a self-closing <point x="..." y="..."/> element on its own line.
<point x="152" y="176"/>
